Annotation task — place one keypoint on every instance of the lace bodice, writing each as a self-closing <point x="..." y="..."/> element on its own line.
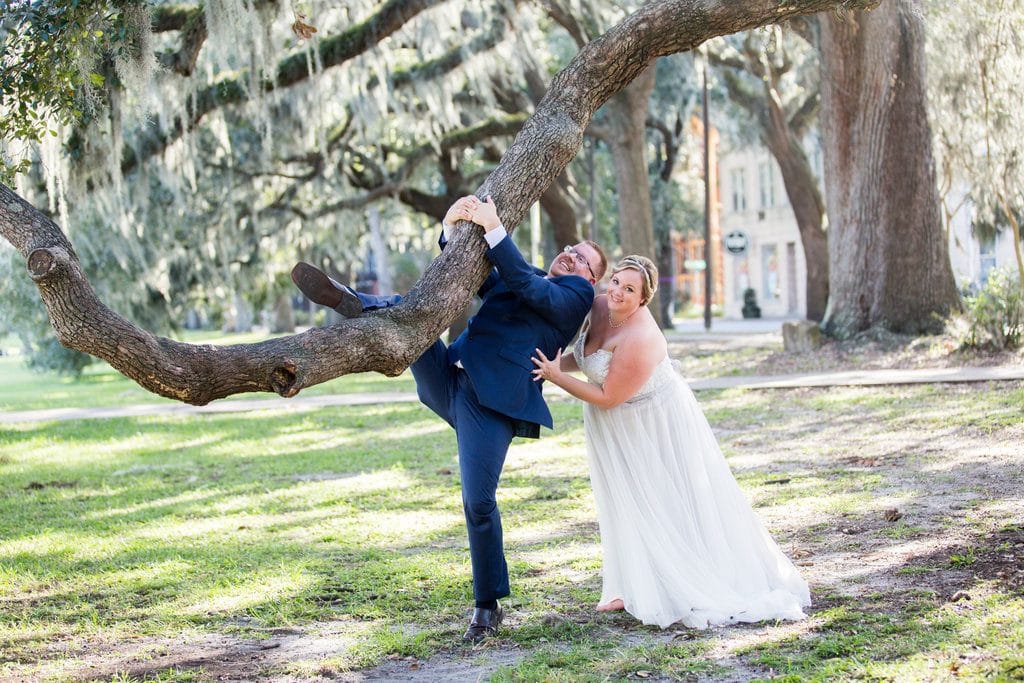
<point x="595" y="367"/>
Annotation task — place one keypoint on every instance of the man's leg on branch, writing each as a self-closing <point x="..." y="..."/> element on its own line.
<point x="322" y="289"/>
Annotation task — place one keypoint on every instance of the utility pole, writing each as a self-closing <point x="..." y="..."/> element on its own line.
<point x="707" y="204"/>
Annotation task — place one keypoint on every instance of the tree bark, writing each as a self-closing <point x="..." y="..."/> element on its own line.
<point x="385" y="341"/>
<point x="807" y="204"/>
<point x="888" y="257"/>
<point x="627" y="139"/>
<point x="562" y="214"/>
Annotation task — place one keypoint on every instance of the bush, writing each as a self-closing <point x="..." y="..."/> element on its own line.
<point x="994" y="317"/>
<point x="750" y="307"/>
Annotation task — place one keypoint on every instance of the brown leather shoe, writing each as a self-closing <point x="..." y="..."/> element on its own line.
<point x="321" y="289"/>
<point x="484" y="624"/>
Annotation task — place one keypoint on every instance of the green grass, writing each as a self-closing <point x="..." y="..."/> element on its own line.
<point x="924" y="641"/>
<point x="117" y="531"/>
<point x="102" y="386"/>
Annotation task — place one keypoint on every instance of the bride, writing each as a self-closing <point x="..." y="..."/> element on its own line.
<point x="680" y="542"/>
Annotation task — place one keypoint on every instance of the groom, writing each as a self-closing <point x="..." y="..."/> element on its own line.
<point x="482" y="384"/>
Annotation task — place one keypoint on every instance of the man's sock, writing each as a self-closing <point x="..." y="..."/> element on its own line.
<point x="487" y="604"/>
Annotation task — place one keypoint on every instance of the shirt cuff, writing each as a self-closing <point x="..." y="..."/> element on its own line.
<point x="446" y="231"/>
<point x="495" y="236"/>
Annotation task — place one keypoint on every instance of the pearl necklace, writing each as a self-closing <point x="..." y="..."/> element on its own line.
<point x="622" y="322"/>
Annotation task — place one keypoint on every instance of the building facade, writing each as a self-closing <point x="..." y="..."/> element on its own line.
<point x="762" y="244"/>
<point x="763" y="251"/>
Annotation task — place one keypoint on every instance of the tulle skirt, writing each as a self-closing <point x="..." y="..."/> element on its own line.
<point x="679" y="539"/>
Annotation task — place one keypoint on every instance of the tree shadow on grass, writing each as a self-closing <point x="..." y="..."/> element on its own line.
<point x="302" y="566"/>
<point x="935" y="615"/>
<point x="153" y="533"/>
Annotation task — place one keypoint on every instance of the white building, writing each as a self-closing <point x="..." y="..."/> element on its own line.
<point x="754" y="204"/>
<point x="973" y="259"/>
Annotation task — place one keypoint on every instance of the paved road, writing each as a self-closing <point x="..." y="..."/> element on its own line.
<point x="824" y="379"/>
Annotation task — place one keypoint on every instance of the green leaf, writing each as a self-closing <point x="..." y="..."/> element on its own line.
<point x="96" y="79"/>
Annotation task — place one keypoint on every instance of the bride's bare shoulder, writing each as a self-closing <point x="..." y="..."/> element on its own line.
<point x="649" y="337"/>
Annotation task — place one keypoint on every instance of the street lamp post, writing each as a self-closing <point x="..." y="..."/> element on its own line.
<point x="707" y="203"/>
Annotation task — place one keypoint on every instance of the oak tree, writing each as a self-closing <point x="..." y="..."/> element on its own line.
<point x="385" y="341"/>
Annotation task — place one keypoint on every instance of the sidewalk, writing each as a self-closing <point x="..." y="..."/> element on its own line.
<point x="693" y="327"/>
<point x="751" y="382"/>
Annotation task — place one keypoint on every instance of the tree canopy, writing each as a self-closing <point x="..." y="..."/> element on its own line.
<point x="386" y="341"/>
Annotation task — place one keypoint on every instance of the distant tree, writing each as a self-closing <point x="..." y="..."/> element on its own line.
<point x="977" y="93"/>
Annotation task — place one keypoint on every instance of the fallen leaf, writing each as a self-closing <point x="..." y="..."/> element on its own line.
<point x="893" y="515"/>
<point x="960" y="595"/>
<point x="643" y="674"/>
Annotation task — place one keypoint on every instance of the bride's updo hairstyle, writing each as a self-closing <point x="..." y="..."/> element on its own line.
<point x="648" y="274"/>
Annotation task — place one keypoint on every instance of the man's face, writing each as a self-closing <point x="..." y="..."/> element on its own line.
<point x="580" y="259"/>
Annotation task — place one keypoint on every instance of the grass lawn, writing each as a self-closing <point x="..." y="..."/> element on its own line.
<point x="330" y="544"/>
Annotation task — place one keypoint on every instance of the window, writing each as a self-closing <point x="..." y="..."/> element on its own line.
<point x="738" y="183"/>
<point x="770" y="273"/>
<point x="767" y="184"/>
<point x="987" y="258"/>
<point x="741" y="277"/>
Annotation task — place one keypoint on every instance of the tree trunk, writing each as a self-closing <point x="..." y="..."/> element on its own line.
<point x="384" y="341"/>
<point x="666" y="273"/>
<point x="888" y="258"/>
<point x="807" y="204"/>
<point x="1015" y="231"/>
<point x="284" y="318"/>
<point x="562" y="214"/>
<point x="627" y="140"/>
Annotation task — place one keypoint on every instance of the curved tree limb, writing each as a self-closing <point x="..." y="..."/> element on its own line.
<point x="384" y="341"/>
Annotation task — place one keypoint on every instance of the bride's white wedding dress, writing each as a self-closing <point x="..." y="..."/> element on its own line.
<point x="679" y="539"/>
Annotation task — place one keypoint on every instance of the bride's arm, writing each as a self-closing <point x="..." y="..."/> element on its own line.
<point x="632" y="364"/>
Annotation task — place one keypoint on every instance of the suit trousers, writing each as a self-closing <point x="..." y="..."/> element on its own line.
<point x="483" y="438"/>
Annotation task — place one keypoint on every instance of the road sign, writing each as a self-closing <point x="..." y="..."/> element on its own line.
<point x="737" y="242"/>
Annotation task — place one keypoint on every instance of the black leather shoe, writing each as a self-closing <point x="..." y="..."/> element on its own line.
<point x="484" y="624"/>
<point x="321" y="289"/>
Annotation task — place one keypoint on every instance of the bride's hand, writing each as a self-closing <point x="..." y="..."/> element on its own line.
<point x="546" y="369"/>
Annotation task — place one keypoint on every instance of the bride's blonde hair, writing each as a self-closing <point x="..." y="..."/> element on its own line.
<point x="648" y="274"/>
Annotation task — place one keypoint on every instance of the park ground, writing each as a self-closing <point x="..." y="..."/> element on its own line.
<point x="329" y="544"/>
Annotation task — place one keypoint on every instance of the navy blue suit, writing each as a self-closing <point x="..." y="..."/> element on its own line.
<point x="493" y="397"/>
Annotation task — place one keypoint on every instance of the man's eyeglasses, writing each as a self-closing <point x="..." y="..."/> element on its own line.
<point x="580" y="258"/>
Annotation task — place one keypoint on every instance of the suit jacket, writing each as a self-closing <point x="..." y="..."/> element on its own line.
<point x="522" y="310"/>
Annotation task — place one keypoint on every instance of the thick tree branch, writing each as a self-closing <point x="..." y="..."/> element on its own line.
<point x="384" y="341"/>
<point x="564" y="18"/>
<point x="173" y="17"/>
<point x="800" y="120"/>
<point x="193" y="36"/>
<point x="381" y="183"/>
